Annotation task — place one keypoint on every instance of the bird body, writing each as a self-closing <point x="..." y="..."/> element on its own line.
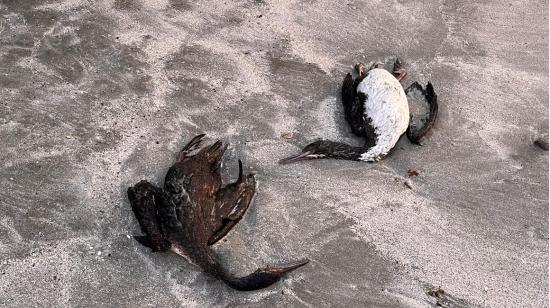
<point x="194" y="211"/>
<point x="377" y="109"/>
<point x="387" y="108"/>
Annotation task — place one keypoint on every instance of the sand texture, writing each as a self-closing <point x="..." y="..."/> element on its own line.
<point x="97" y="95"/>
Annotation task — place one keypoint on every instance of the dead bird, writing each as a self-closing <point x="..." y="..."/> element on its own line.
<point x="376" y="107"/>
<point x="194" y="211"/>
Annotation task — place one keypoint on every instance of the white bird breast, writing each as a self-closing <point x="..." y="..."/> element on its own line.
<point x="388" y="109"/>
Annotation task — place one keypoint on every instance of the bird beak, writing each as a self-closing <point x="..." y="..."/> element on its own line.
<point x="302" y="156"/>
<point x="280" y="270"/>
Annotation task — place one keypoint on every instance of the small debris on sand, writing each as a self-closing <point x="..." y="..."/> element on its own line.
<point x="287" y="135"/>
<point x="408" y="184"/>
<point x="413" y="172"/>
<point x="542" y="142"/>
<point x="436" y="292"/>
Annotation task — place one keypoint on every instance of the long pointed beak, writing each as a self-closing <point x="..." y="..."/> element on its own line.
<point x="295" y="158"/>
<point x="280" y="270"/>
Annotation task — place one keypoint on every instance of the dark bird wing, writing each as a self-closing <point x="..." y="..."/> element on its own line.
<point x="165" y="229"/>
<point x="232" y="202"/>
<point x="190" y="147"/>
<point x="354" y="109"/>
<point x="155" y="214"/>
<point x="414" y="133"/>
<point x="354" y="105"/>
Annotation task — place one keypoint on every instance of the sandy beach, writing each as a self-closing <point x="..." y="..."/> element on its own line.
<point x="98" y="95"/>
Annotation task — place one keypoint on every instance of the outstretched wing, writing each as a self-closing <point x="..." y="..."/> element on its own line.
<point x="232" y="202"/>
<point x="414" y="133"/>
<point x="354" y="105"/>
<point x="155" y="214"/>
<point x="191" y="146"/>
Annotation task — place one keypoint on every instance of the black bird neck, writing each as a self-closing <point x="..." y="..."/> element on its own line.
<point x="339" y="150"/>
<point x="257" y="280"/>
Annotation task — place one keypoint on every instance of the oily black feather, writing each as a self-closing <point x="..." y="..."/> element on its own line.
<point x="143" y="198"/>
<point x="354" y="106"/>
<point x="415" y="134"/>
<point x="354" y="111"/>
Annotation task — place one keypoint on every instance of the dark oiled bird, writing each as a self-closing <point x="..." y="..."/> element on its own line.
<point x="376" y="107"/>
<point x="194" y="211"/>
